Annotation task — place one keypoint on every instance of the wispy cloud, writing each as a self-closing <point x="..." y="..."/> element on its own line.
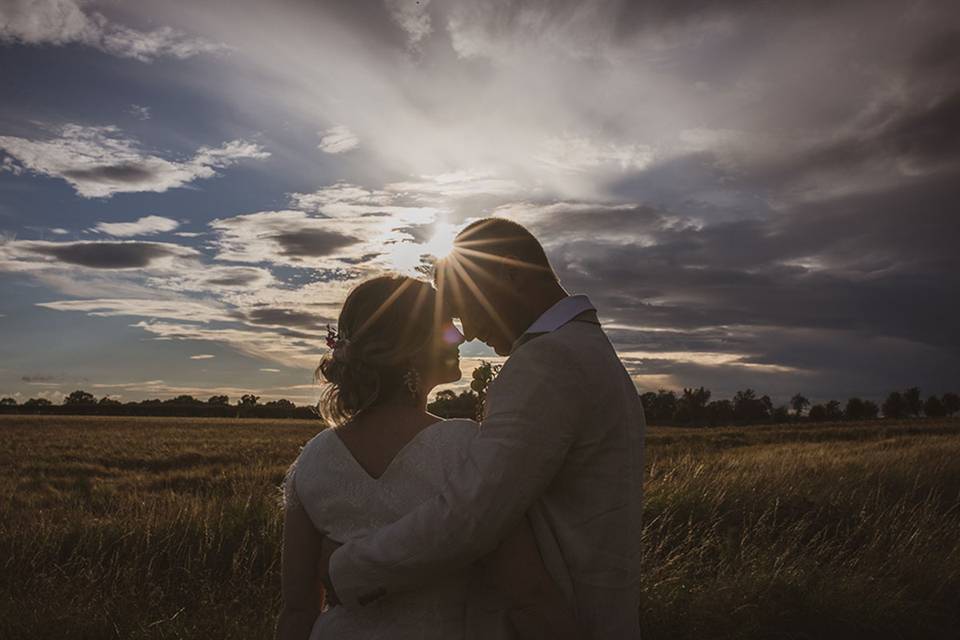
<point x="139" y="111"/>
<point x="202" y="356"/>
<point x="147" y="225"/>
<point x="338" y="139"/>
<point x="173" y="309"/>
<point x="60" y="22"/>
<point x="100" y="161"/>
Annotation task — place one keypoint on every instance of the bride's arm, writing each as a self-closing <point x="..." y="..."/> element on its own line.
<point x="299" y="575"/>
<point x="537" y="606"/>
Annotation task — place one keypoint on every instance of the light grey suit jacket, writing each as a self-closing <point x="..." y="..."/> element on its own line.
<point x="562" y="439"/>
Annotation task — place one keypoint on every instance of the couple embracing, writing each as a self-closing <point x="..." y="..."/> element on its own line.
<point x="526" y="525"/>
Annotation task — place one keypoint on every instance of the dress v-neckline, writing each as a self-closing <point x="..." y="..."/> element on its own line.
<point x="396" y="456"/>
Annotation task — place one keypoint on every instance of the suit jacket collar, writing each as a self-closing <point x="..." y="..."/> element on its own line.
<point x="576" y="307"/>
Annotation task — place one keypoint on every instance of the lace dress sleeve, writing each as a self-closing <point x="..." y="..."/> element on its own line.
<point x="289" y="492"/>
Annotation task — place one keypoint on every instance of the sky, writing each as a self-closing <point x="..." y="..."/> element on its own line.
<point x="753" y="194"/>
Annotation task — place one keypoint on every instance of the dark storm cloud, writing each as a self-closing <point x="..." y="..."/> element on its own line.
<point x="277" y="316"/>
<point x="122" y="173"/>
<point x="941" y="51"/>
<point x="312" y="242"/>
<point x="236" y="278"/>
<point x="108" y="255"/>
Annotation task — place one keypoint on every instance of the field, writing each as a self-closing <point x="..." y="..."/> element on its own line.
<point x="170" y="528"/>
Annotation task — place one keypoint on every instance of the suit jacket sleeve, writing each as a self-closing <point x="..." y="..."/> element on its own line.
<point x="533" y="408"/>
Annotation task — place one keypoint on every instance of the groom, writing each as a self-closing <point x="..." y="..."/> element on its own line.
<point x="561" y="442"/>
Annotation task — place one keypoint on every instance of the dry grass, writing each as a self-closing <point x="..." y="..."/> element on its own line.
<point x="169" y="528"/>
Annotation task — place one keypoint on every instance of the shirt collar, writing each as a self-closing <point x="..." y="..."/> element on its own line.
<point x="560" y="314"/>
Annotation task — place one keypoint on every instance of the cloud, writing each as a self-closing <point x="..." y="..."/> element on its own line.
<point x="300" y="393"/>
<point x="457" y="184"/>
<point x="343" y="229"/>
<point x="148" y="225"/>
<point x="413" y="18"/>
<point x="578" y="154"/>
<point x="287" y="349"/>
<point x="268" y="370"/>
<point x="100" y="161"/>
<point x="93" y="255"/>
<point x="61" y="22"/>
<point x="172" y="309"/>
<point x="338" y="139"/>
<point x="312" y="242"/>
<point x="202" y="356"/>
<point x="138" y="111"/>
<point x="219" y="279"/>
<point x="284" y="317"/>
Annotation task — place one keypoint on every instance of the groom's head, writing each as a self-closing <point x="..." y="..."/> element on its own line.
<point x="497" y="280"/>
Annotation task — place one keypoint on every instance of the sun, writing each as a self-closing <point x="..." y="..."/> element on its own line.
<point x="407" y="257"/>
<point x="440" y="243"/>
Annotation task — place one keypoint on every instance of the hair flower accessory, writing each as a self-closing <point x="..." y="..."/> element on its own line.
<point x="333" y="337"/>
<point x="337" y="343"/>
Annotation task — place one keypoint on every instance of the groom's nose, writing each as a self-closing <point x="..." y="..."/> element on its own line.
<point x="468" y="330"/>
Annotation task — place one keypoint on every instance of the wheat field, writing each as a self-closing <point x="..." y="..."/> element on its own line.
<point x="170" y="528"/>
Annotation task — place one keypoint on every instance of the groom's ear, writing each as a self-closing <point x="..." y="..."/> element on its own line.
<point x="511" y="272"/>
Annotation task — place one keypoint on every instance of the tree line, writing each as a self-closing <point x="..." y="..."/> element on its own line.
<point x="218" y="406"/>
<point x="691" y="407"/>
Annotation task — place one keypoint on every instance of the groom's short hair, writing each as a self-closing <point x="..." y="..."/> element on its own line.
<point x="505" y="241"/>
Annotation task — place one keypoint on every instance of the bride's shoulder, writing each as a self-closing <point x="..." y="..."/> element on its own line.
<point x="463" y="425"/>
<point x="456" y="431"/>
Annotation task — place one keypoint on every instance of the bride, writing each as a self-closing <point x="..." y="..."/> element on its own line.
<point x="384" y="456"/>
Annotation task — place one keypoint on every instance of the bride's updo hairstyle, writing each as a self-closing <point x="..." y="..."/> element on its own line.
<point x="385" y="323"/>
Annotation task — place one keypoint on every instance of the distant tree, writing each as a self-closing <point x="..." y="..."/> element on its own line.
<point x="833" y="410"/>
<point x="8" y="402"/>
<point x="247" y="404"/>
<point x="818" y="413"/>
<point x="951" y="403"/>
<point x="108" y="401"/>
<point x="659" y="407"/>
<point x="780" y="414"/>
<point x="719" y="412"/>
<point x="911" y="398"/>
<point x="854" y="409"/>
<point x="282" y="403"/>
<point x="79" y="397"/>
<point x="36" y="403"/>
<point x="448" y="404"/>
<point x="483" y="375"/>
<point x="799" y="403"/>
<point x="690" y="408"/>
<point x="182" y="400"/>
<point x="220" y="401"/>
<point x="933" y="407"/>
<point x="858" y="409"/>
<point x="248" y="400"/>
<point x="894" y="406"/>
<point x="747" y="407"/>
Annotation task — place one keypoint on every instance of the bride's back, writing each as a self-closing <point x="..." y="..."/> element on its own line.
<point x="345" y="500"/>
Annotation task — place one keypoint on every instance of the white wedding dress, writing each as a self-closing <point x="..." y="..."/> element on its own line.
<point x="344" y="501"/>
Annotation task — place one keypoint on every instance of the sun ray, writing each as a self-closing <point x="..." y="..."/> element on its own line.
<point x="382" y="308"/>
<point x="513" y="262"/>
<point x="482" y="299"/>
